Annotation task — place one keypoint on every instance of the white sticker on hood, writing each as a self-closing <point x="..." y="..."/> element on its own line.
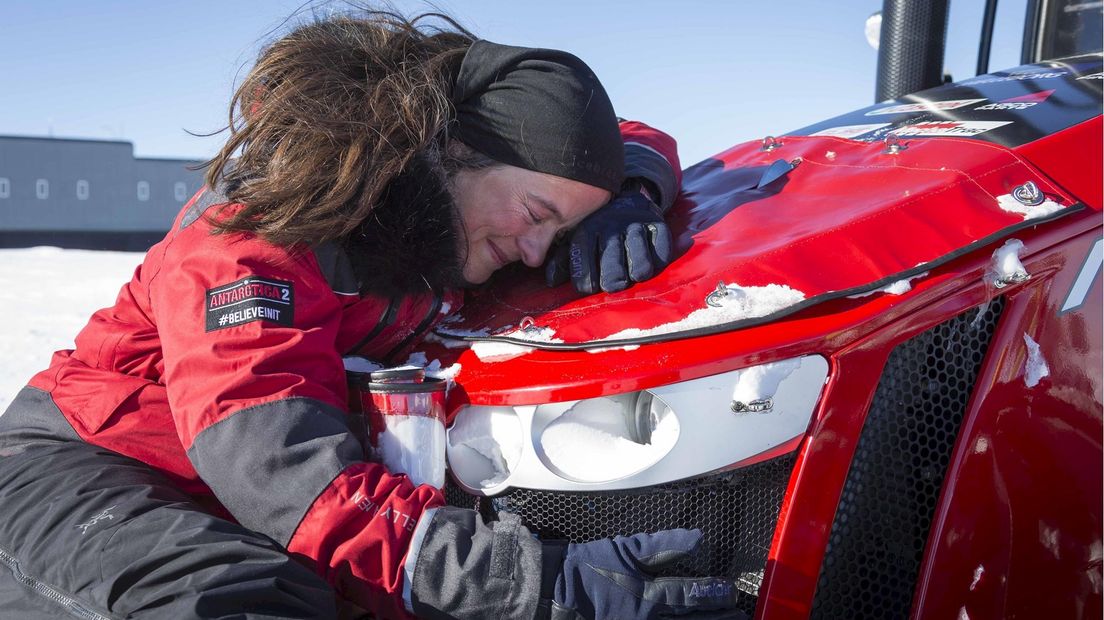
<point x="925" y="106"/>
<point x="949" y="128"/>
<point x="849" y="131"/>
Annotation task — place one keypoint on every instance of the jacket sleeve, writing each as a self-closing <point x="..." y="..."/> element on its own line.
<point x="257" y="390"/>
<point x="652" y="155"/>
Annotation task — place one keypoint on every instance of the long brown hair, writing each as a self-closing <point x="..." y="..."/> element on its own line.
<point x="328" y="115"/>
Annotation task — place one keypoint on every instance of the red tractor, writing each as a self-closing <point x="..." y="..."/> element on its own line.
<point x="873" y="374"/>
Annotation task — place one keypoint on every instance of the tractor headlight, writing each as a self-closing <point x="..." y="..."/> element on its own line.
<point x="640" y="438"/>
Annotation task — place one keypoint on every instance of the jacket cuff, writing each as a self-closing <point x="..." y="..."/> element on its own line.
<point x="464" y="568"/>
<point x="644" y="162"/>
<point x="412" y="556"/>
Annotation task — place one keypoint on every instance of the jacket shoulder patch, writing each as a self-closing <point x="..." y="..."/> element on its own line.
<point x="249" y="299"/>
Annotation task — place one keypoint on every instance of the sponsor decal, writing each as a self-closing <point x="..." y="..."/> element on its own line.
<point x="925" y="106"/>
<point x="247" y="300"/>
<point x="1089" y="274"/>
<point x="849" y="131"/>
<point x="950" y="128"/>
<point x="1018" y="103"/>
<point x="1015" y="77"/>
<point x="1092" y="76"/>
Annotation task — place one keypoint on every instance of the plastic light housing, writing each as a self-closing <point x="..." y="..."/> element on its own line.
<point x="637" y="439"/>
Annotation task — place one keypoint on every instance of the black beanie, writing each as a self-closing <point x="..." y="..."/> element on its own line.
<point x="538" y="109"/>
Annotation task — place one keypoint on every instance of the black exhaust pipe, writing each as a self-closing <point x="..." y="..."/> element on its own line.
<point x="910" y="52"/>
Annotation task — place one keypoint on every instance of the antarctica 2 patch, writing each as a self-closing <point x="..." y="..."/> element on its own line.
<point x="247" y="300"/>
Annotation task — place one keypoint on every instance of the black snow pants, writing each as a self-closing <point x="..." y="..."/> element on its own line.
<point x="89" y="533"/>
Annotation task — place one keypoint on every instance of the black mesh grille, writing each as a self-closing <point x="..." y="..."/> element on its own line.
<point x="736" y="510"/>
<point x="885" y="511"/>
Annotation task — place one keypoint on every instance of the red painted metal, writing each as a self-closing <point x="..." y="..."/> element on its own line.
<point x="848" y="216"/>
<point x="1070" y="159"/>
<point x="802" y="535"/>
<point x="1021" y="514"/>
<point x="1022" y="498"/>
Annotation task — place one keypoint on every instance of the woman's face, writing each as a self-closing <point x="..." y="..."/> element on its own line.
<point x="511" y="214"/>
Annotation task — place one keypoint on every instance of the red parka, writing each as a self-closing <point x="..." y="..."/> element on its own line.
<point x="220" y="364"/>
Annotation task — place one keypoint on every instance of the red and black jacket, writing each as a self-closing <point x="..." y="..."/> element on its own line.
<point x="220" y="364"/>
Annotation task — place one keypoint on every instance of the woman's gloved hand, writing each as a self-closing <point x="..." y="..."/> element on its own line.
<point x="610" y="578"/>
<point x="623" y="242"/>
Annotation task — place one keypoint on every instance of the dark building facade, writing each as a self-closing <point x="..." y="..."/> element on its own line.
<point x="91" y="194"/>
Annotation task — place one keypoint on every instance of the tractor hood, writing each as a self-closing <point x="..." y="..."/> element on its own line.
<point x="769" y="228"/>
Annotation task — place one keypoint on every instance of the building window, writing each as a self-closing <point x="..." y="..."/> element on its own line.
<point x="42" y="189"/>
<point x="180" y="191"/>
<point x="82" y="190"/>
<point x="5" y="187"/>
<point x="143" y="191"/>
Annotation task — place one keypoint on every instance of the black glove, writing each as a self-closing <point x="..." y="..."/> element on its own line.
<point x="608" y="579"/>
<point x="625" y="241"/>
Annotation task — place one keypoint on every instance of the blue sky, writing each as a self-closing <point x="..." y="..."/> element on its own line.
<point x="710" y="73"/>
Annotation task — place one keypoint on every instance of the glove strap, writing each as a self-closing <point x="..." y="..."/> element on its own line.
<point x="552" y="558"/>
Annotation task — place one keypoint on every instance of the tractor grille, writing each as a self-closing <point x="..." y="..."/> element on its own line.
<point x="889" y="498"/>
<point x="736" y="510"/>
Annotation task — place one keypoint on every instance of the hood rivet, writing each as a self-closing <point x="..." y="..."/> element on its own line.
<point x="893" y="145"/>
<point x="1028" y="194"/>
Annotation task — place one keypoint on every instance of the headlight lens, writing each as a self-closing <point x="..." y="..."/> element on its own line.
<point x="641" y="438"/>
<point x="484" y="444"/>
<point x="602" y="439"/>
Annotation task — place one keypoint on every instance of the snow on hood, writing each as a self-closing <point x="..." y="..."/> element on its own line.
<point x="434" y="369"/>
<point x="900" y="287"/>
<point x="502" y="351"/>
<point x="1029" y="212"/>
<point x="733" y="303"/>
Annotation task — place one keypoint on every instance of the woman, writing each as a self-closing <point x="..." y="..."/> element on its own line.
<point x="190" y="458"/>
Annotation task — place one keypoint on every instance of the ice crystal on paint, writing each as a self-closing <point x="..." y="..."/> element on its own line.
<point x="978" y="573"/>
<point x="1035" y="367"/>
<point x="982" y="309"/>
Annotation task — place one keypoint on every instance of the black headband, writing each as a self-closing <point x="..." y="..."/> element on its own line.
<point x="538" y="109"/>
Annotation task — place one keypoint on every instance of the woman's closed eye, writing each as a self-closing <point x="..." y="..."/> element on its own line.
<point x="534" y="217"/>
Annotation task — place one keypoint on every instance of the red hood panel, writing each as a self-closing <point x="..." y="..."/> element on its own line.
<point x="849" y="218"/>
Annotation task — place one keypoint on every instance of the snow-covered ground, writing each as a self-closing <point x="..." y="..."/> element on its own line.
<point x="46" y="297"/>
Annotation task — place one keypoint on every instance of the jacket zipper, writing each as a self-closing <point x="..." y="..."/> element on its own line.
<point x="385" y="320"/>
<point x="70" y="604"/>
<point x="434" y="308"/>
